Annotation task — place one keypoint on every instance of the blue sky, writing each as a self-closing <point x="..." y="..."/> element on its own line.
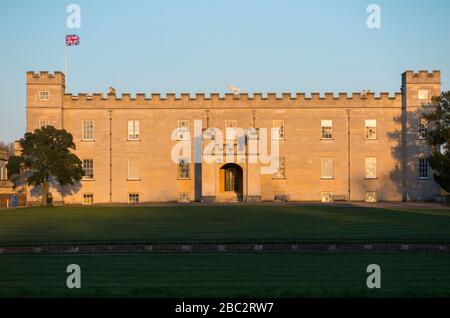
<point x="202" y="46"/>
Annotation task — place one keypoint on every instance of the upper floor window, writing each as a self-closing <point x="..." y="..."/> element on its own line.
<point x="133" y="169"/>
<point x="183" y="169"/>
<point x="44" y="123"/>
<point x="278" y="130"/>
<point x="371" y="129"/>
<point x="326" y="168"/>
<point x="371" y="168"/>
<point x="88" y="167"/>
<point x="280" y="172"/>
<point x="423" y="94"/>
<point x="87" y="131"/>
<point x="423" y="169"/>
<point x="422" y="129"/>
<point x="231" y="129"/>
<point x="183" y="130"/>
<point x="133" y="130"/>
<point x="43" y="95"/>
<point x="327" y="129"/>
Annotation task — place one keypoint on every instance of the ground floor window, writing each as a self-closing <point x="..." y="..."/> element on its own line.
<point x="88" y="167"/>
<point x="281" y="196"/>
<point x="133" y="198"/>
<point x="371" y="168"/>
<point x="88" y="199"/>
<point x="326" y="168"/>
<point x="183" y="197"/>
<point x="183" y="169"/>
<point x="280" y="172"/>
<point x="423" y="168"/>
<point x="133" y="169"/>
<point x="371" y="197"/>
<point x="327" y="197"/>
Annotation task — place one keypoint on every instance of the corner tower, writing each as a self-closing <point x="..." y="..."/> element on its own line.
<point x="418" y="89"/>
<point x="45" y="93"/>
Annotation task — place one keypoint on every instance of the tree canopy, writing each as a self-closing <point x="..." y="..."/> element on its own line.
<point x="46" y="156"/>
<point x="438" y="137"/>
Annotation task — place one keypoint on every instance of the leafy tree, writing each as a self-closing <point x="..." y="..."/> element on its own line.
<point x="438" y="137"/>
<point x="46" y="156"/>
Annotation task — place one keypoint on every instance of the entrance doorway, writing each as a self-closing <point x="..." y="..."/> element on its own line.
<point x="231" y="183"/>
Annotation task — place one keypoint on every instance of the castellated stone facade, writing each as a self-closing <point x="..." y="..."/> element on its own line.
<point x="357" y="147"/>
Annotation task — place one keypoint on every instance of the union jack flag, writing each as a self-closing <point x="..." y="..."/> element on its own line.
<point x="72" y="39"/>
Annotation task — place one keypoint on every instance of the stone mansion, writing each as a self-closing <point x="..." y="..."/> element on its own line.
<point x="358" y="147"/>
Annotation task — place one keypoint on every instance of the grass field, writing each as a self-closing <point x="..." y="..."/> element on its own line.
<point x="262" y="275"/>
<point x="224" y="223"/>
<point x="225" y="275"/>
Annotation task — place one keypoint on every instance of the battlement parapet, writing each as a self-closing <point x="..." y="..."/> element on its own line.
<point x="421" y="77"/>
<point x="44" y="77"/>
<point x="243" y="100"/>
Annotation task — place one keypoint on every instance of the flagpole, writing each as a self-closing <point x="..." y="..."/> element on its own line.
<point x="65" y="63"/>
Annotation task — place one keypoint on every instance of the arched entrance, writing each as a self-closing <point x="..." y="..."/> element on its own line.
<point x="231" y="183"/>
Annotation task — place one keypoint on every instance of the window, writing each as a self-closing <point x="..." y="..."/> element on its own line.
<point x="183" y="130"/>
<point x="133" y="169"/>
<point x="44" y="123"/>
<point x="278" y="130"/>
<point x="231" y="129"/>
<point x="281" y="169"/>
<point x="88" y="167"/>
<point x="326" y="168"/>
<point x="183" y="169"/>
<point x="133" y="130"/>
<point x="88" y="199"/>
<point x="327" y="129"/>
<point x="281" y="197"/>
<point x="371" y="168"/>
<point x="43" y="95"/>
<point x="87" y="132"/>
<point x="423" y="94"/>
<point x="371" y="197"/>
<point x="327" y="197"/>
<point x="371" y="129"/>
<point x="183" y="197"/>
<point x="422" y="129"/>
<point x="133" y="198"/>
<point x="3" y="172"/>
<point x="424" y="171"/>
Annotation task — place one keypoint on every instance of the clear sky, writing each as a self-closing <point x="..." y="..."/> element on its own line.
<point x="204" y="45"/>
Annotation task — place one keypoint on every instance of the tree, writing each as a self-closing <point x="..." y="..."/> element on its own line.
<point x="46" y="157"/>
<point x="438" y="137"/>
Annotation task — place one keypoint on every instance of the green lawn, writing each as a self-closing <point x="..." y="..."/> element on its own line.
<point x="258" y="275"/>
<point x="224" y="223"/>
